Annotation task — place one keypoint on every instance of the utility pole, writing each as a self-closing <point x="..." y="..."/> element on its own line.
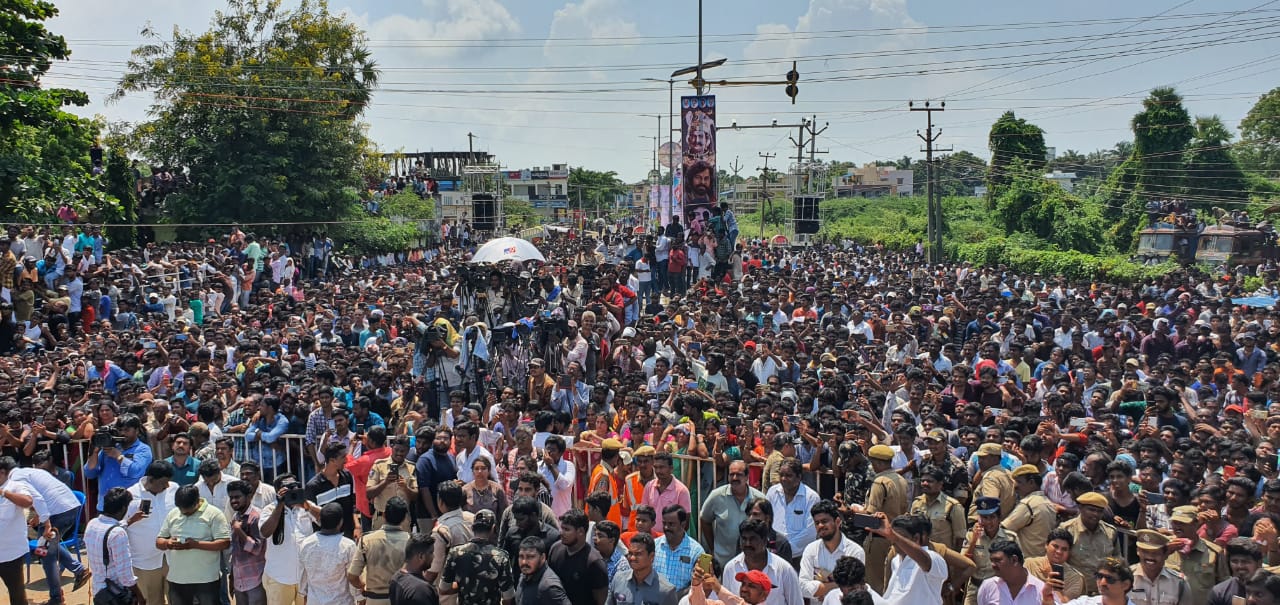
<point x="800" y="145"/>
<point x="471" y="150"/>
<point x="764" y="182"/>
<point x="813" y="149"/>
<point x="933" y="203"/>
<point x="735" y="167"/>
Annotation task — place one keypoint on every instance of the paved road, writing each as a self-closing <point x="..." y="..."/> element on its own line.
<point x="36" y="591"/>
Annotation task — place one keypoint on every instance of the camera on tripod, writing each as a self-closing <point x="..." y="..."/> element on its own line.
<point x="108" y="436"/>
<point x="551" y="329"/>
<point x="474" y="278"/>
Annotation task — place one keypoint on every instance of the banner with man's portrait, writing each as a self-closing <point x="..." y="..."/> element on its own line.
<point x="698" y="147"/>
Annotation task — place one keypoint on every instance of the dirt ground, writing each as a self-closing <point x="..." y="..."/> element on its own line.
<point x="37" y="592"/>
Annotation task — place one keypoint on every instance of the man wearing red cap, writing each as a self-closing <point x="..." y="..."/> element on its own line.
<point x="755" y="557"/>
<point x="753" y="589"/>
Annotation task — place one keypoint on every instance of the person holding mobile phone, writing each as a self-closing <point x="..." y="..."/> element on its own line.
<point x="193" y="537"/>
<point x="1055" y="565"/>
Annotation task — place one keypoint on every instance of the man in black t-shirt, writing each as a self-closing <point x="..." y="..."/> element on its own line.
<point x="334" y="484"/>
<point x="408" y="586"/>
<point x="579" y="565"/>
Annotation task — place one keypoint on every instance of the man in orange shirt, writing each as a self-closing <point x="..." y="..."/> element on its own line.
<point x="375" y="449"/>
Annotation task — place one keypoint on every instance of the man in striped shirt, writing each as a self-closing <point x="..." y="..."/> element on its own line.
<point x="120" y="567"/>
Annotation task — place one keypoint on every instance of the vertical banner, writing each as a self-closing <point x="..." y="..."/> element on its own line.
<point x="653" y="207"/>
<point x="697" y="182"/>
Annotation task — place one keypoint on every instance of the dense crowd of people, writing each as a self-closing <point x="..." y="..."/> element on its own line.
<point x="674" y="416"/>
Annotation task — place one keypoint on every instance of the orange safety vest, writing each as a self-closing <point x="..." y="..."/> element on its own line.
<point x="597" y="474"/>
<point x="634" y="494"/>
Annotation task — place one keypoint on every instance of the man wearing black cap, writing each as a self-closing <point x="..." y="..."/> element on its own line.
<point x="985" y="532"/>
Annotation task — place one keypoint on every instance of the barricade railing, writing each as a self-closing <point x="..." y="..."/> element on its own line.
<point x="292" y="454"/>
<point x="699" y="475"/>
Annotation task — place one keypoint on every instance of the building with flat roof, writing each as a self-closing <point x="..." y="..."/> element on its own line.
<point x="546" y="188"/>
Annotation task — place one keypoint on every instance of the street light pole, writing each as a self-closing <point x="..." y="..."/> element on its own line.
<point x="698" y="79"/>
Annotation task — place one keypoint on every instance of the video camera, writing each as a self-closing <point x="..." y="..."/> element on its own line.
<point x="551" y="329"/>
<point x="108" y="436"/>
<point x="473" y="277"/>
<point x="294" y="494"/>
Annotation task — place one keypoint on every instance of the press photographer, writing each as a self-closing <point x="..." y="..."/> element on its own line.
<point x="436" y="358"/>
<point x="118" y="459"/>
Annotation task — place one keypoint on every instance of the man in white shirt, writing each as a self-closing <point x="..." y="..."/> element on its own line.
<point x="59" y="514"/>
<point x="818" y="563"/>
<point x="766" y="364"/>
<point x="662" y="252"/>
<point x="152" y="501"/>
<point x="792" y="500"/>
<point x="1012" y="584"/>
<point x="917" y="573"/>
<point x="16" y="497"/>
<point x="466" y="441"/>
<point x="283" y="571"/>
<point x="850" y="575"/>
<point x="213" y="486"/>
<point x="561" y="474"/>
<point x="325" y="557"/>
<point x="755" y="556"/>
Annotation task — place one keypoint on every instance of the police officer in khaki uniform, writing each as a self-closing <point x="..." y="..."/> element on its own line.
<point x="1202" y="563"/>
<point x="888" y="495"/>
<point x="993" y="481"/>
<point x="1153" y="583"/>
<point x="946" y="514"/>
<point x="380" y="554"/>
<point x="1034" y="516"/>
<point x="985" y="531"/>
<point x="1095" y="540"/>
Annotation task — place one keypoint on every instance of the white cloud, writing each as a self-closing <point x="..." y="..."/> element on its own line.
<point x="466" y="20"/>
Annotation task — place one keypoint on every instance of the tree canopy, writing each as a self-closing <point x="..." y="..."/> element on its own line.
<point x="263" y="109"/>
<point x="1012" y="138"/>
<point x="594" y="189"/>
<point x="1210" y="168"/>
<point x="1153" y="170"/>
<point x="1259" y="148"/>
<point x="44" y="150"/>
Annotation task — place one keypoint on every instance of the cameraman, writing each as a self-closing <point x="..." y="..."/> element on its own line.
<point x="437" y="361"/>
<point x="574" y="347"/>
<point x="496" y="300"/>
<point x="284" y="524"/>
<point x="122" y="463"/>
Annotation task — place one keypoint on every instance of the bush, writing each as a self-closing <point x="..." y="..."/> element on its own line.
<point x="1069" y="264"/>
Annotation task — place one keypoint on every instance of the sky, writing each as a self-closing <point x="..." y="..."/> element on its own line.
<point x="539" y="82"/>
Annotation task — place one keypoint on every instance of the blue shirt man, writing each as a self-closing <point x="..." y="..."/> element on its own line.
<point x="122" y="464"/>
<point x="263" y="435"/>
<point x="110" y="374"/>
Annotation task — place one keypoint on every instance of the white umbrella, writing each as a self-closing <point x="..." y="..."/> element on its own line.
<point x="507" y="248"/>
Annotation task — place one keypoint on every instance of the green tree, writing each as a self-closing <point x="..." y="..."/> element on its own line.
<point x="263" y="109"/>
<point x="594" y="190"/>
<point x="1259" y="148"/>
<point x="1033" y="205"/>
<point x="1211" y="170"/>
<point x="519" y="213"/>
<point x="1153" y="170"/>
<point x="44" y="150"/>
<point x="119" y="183"/>
<point x="1012" y="138"/>
<point x="959" y="173"/>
